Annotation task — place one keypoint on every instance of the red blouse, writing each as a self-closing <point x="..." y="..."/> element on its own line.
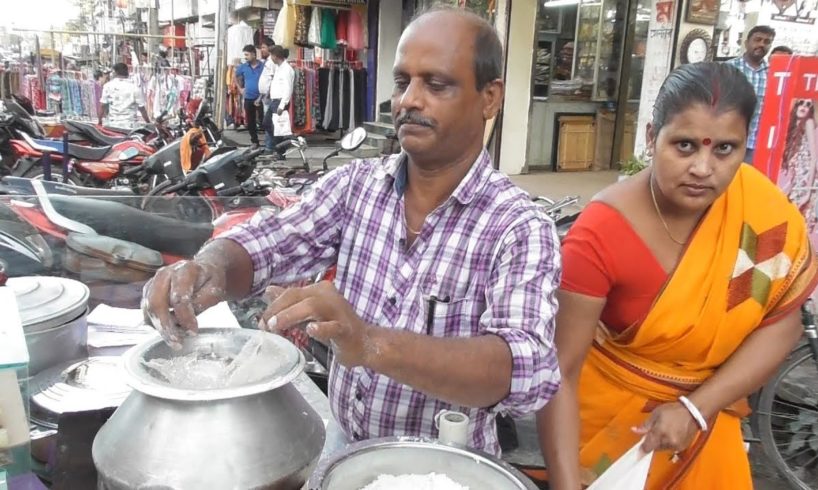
<point x="604" y="257"/>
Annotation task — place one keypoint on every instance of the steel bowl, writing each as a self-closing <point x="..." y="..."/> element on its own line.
<point x="360" y="463"/>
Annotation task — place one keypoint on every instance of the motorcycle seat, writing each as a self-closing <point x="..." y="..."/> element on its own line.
<point x="79" y="152"/>
<point x="23" y="186"/>
<point x="93" y="133"/>
<point x="117" y="220"/>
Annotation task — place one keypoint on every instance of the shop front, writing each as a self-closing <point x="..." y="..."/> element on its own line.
<point x="333" y="47"/>
<point x="585" y="78"/>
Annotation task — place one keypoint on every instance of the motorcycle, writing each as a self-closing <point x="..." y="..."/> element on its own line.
<point x="239" y="174"/>
<point x="78" y="165"/>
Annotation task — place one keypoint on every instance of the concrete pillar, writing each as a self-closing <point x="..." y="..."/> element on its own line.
<point x="519" y="65"/>
<point x="389" y="31"/>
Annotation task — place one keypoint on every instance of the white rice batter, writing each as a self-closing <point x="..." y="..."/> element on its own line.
<point x="432" y="481"/>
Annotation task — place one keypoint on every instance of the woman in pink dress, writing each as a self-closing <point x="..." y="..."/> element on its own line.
<point x="798" y="170"/>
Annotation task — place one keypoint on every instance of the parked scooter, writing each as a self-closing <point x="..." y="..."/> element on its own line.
<point x="241" y="175"/>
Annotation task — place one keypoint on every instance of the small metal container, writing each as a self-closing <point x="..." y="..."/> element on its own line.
<point x="361" y="463"/>
<point x="53" y="311"/>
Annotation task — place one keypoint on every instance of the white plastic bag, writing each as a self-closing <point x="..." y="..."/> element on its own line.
<point x="630" y="472"/>
<point x="281" y="124"/>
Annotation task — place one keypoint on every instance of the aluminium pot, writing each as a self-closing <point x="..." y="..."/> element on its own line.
<point x="53" y="311"/>
<point x="177" y="434"/>
<point x="84" y="385"/>
<point x="361" y="463"/>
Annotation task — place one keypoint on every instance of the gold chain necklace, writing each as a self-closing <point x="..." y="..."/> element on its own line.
<point x="659" y="212"/>
<point x="406" y="223"/>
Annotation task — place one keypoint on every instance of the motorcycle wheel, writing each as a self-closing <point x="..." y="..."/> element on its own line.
<point x="182" y="207"/>
<point x="36" y="173"/>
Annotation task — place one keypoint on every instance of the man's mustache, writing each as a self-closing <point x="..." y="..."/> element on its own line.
<point x="414" y="118"/>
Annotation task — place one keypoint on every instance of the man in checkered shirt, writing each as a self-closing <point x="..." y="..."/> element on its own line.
<point x="444" y="296"/>
<point x="752" y="64"/>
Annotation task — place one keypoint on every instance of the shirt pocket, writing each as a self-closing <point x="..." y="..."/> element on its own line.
<point x="451" y="313"/>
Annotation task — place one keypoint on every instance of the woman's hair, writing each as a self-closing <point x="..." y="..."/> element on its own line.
<point x="718" y="85"/>
<point x="796" y="130"/>
<point x="280" y="51"/>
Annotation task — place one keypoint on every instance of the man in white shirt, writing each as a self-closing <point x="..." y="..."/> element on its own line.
<point x="281" y="91"/>
<point x="264" y="86"/>
<point x="121" y="100"/>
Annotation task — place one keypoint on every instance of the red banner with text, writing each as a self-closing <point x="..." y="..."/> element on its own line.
<point x="787" y="144"/>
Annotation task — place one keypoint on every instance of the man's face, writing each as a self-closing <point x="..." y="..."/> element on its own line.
<point x="265" y="51"/>
<point x="758" y="45"/>
<point x="249" y="56"/>
<point x="437" y="109"/>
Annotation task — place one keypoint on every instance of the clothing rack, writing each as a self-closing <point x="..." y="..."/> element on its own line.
<point x="327" y="4"/>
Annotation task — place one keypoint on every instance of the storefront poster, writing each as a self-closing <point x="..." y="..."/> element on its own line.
<point x="788" y="133"/>
<point x="657" y="64"/>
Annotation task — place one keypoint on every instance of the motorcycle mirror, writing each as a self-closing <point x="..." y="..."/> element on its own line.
<point x="354" y="139"/>
<point x="128" y="154"/>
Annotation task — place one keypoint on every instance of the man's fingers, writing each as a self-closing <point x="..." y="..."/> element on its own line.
<point x="325" y="331"/>
<point x="283" y="299"/>
<point x="156" y="305"/>
<point x="293" y="316"/>
<point x="183" y="283"/>
<point x="207" y="294"/>
<point x="272" y="293"/>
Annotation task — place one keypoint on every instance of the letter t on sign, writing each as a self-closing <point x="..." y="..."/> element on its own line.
<point x="782" y="76"/>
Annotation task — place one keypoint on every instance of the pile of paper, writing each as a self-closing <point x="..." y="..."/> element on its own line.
<point x="121" y="327"/>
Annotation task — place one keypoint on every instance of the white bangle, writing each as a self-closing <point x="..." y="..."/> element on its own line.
<point x="697" y="415"/>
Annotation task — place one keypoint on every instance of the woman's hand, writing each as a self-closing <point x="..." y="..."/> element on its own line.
<point x="670" y="427"/>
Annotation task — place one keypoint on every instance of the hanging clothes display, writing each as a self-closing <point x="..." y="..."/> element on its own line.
<point x="238" y="36"/>
<point x="355" y="31"/>
<point x="328" y="40"/>
<point x="284" y="32"/>
<point x="314" y="30"/>
<point x="342" y="28"/>
<point x="302" y="25"/>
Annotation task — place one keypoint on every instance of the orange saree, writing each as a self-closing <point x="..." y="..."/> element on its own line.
<point x="748" y="264"/>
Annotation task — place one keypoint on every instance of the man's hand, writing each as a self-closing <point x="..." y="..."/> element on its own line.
<point x="241" y="91"/>
<point x="257" y="102"/>
<point x="670" y="427"/>
<point x="280" y="111"/>
<point x="327" y="315"/>
<point x="173" y="298"/>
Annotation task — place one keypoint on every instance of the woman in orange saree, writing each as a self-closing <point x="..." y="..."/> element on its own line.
<point x="680" y="297"/>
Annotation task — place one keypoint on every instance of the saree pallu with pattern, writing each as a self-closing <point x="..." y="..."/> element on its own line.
<point x="748" y="265"/>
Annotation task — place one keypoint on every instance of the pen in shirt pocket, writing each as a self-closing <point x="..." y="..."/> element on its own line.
<point x="430" y="311"/>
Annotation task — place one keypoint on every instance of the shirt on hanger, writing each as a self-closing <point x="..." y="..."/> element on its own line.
<point x="238" y="36"/>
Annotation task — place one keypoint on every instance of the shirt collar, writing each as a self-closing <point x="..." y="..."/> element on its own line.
<point x="763" y="66"/>
<point x="396" y="167"/>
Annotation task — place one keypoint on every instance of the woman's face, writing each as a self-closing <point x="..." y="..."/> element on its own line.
<point x="804" y="109"/>
<point x="696" y="155"/>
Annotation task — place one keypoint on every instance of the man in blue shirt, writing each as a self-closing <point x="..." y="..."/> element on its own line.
<point x="247" y="77"/>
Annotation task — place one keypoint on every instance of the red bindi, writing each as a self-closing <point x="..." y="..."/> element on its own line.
<point x="706" y="141"/>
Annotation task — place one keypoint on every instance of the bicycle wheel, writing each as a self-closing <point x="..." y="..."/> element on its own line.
<point x="787" y="419"/>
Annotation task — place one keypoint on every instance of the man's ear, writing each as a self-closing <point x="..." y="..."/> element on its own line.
<point x="492" y="95"/>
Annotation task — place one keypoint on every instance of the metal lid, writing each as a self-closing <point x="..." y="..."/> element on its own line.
<point x="47" y="302"/>
<point x="77" y="386"/>
<point x="216" y="364"/>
